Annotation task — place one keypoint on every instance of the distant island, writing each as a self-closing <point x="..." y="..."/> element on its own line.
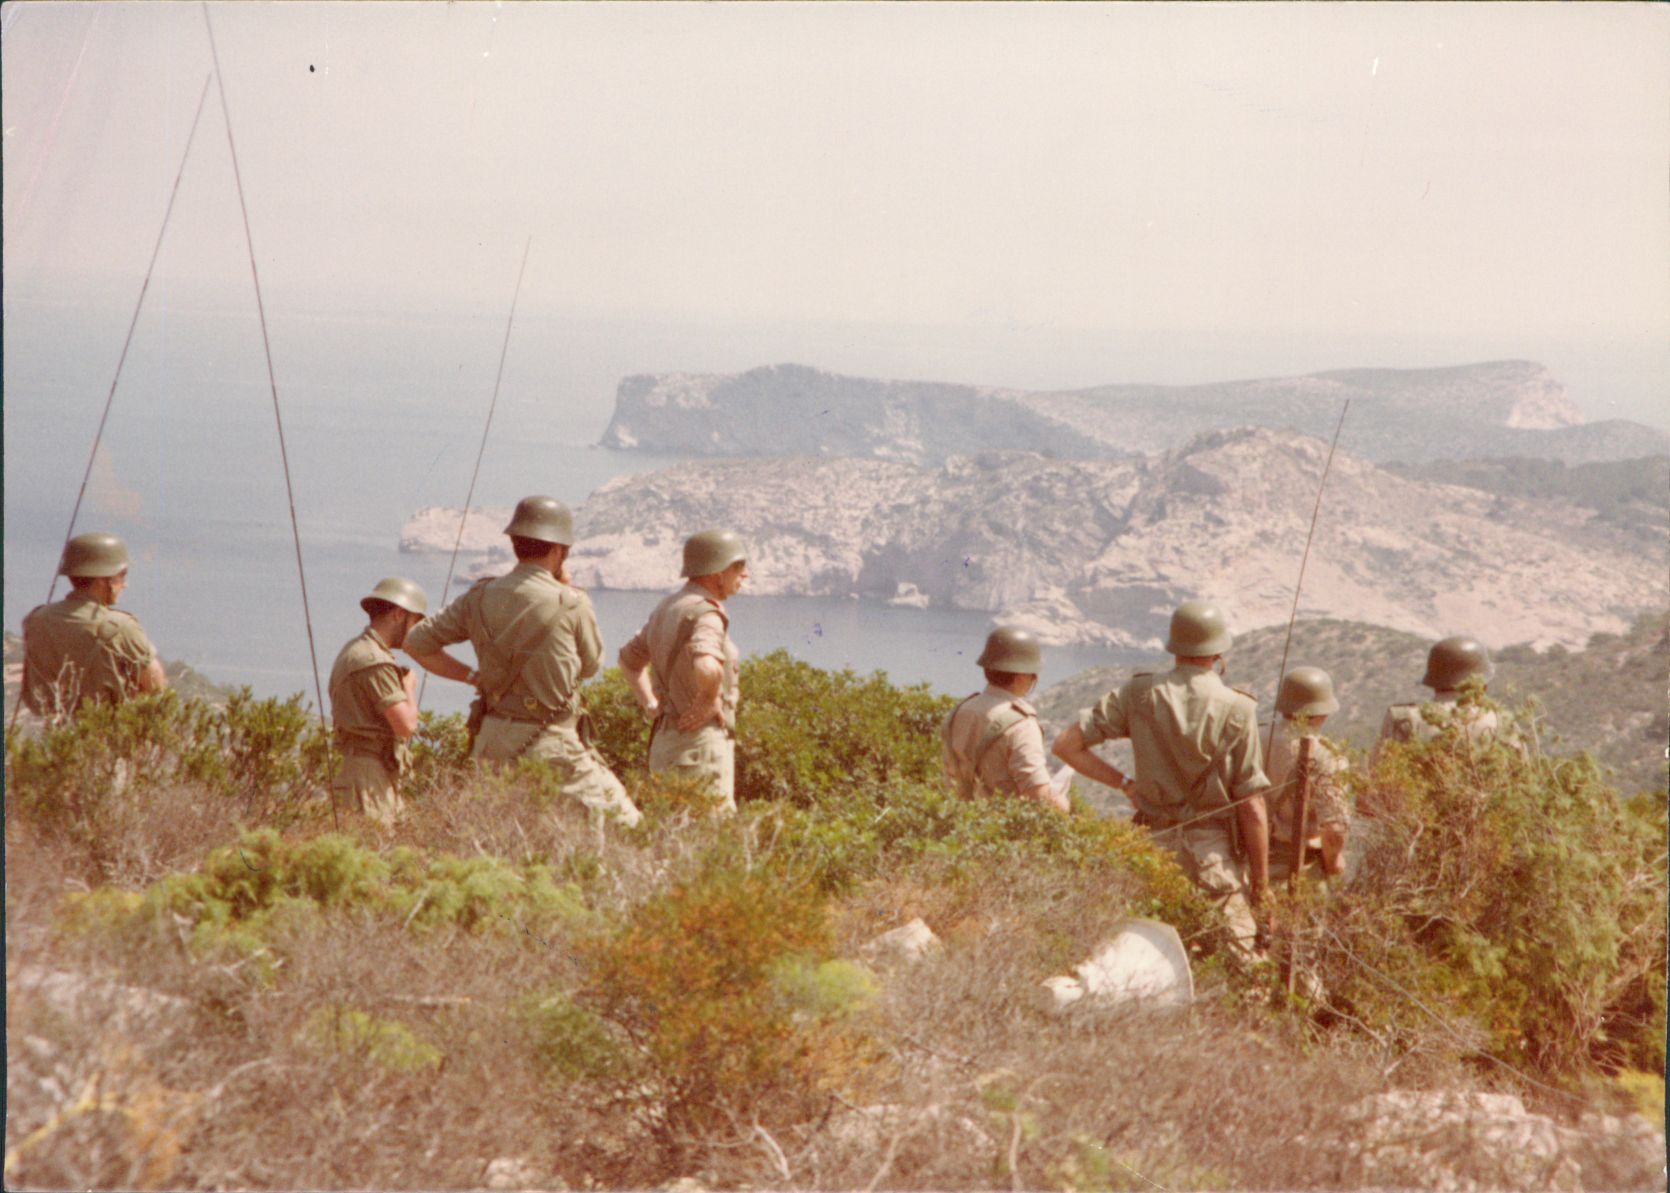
<point x="1497" y="408"/>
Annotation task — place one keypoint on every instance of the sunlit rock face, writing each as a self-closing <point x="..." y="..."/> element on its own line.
<point x="1100" y="551"/>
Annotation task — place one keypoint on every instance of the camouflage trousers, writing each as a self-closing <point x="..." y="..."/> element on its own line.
<point x="1206" y="851"/>
<point x="706" y="754"/>
<point x="366" y="782"/>
<point x="580" y="768"/>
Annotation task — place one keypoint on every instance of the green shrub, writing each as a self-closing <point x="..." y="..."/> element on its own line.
<point x="801" y="732"/>
<point x="867" y="832"/>
<point x="1517" y="898"/>
<point x="724" y="984"/>
<point x="384" y="1043"/>
<point x="267" y="755"/>
<point x="572" y="1043"/>
<point x="248" y="896"/>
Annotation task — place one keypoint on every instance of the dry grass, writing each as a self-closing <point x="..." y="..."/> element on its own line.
<point x="235" y="1081"/>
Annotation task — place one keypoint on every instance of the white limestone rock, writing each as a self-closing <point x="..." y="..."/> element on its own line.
<point x="1144" y="962"/>
<point x="908" y="943"/>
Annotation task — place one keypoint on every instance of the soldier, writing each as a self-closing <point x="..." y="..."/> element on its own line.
<point x="374" y="701"/>
<point x="535" y="637"/>
<point x="83" y="648"/>
<point x="683" y="667"/>
<point x="1305" y="701"/>
<point x="1200" y="780"/>
<point x="1448" y="664"/>
<point x="993" y="742"/>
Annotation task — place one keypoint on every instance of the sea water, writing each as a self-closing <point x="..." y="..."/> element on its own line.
<point x="381" y="417"/>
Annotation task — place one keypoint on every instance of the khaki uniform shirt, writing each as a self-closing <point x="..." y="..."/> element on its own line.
<point x="1195" y="740"/>
<point x="686" y="625"/>
<point x="1404" y="722"/>
<point x="998" y="732"/>
<point x="535" y="639"/>
<point x="1325" y="803"/>
<point x="365" y="683"/>
<point x="79" y="649"/>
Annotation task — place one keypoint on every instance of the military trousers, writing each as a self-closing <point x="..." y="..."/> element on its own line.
<point x="707" y="754"/>
<point x="1206" y="851"/>
<point x="580" y="768"/>
<point x="366" y="781"/>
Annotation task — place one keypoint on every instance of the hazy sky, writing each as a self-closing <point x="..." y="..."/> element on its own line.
<point x="1482" y="174"/>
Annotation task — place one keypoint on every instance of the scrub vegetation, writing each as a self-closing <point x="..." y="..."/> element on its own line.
<point x="214" y="981"/>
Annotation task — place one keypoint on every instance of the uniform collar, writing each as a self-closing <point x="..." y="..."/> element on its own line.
<point x="1019" y="702"/>
<point x="532" y="567"/>
<point x="692" y="586"/>
<point x="1190" y="670"/>
<point x="371" y="633"/>
<point x="77" y="597"/>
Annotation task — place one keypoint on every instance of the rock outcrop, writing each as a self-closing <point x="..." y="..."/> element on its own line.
<point x="1100" y="551"/>
<point x="1499" y="408"/>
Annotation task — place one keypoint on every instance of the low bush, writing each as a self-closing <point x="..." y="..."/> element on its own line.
<point x="1509" y="904"/>
<point x="247" y="896"/>
<point x="727" y="985"/>
<point x="802" y="732"/>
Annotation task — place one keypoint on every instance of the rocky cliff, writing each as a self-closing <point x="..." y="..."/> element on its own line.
<point x="1497" y="408"/>
<point x="1100" y="550"/>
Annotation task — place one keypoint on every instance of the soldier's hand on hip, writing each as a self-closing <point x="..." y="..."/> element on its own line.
<point x="698" y="715"/>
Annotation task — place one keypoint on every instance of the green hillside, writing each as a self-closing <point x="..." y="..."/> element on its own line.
<point x="1607" y="698"/>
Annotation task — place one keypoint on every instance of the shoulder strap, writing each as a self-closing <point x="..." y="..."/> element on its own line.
<point x="1006" y="719"/>
<point x="512" y="668"/>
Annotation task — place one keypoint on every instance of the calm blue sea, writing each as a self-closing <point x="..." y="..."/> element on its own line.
<point x="381" y="416"/>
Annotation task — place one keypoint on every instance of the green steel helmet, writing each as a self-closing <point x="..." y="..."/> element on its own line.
<point x="1011" y="649"/>
<point x="1453" y="660"/>
<point x="1198" y="630"/>
<point x="399" y="592"/>
<point x="708" y="552"/>
<point x="1306" y="692"/>
<point x="544" y="519"/>
<point x="88" y="556"/>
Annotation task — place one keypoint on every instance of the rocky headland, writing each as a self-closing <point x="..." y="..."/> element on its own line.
<point x="1101" y="550"/>
<point x="1498" y="408"/>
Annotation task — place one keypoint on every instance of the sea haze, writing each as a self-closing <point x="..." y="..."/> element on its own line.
<point x="381" y="417"/>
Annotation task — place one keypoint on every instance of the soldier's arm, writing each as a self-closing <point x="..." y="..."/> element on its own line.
<point x="396" y="692"/>
<point x="426" y="644"/>
<point x="707" y="665"/>
<point x="1028" y="769"/>
<point x="1254" y="823"/>
<point x="153" y="678"/>
<point x="634" y="664"/>
<point x="1248" y="783"/>
<point x="1071" y="747"/>
<point x="588" y="638"/>
<point x="709" y="673"/>
<point x="139" y="658"/>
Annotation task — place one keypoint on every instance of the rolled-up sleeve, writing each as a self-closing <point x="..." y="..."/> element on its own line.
<point x="1106" y="720"/>
<point x="588" y="638"/>
<point x="382" y="685"/>
<point x="634" y="656"/>
<point x="441" y="630"/>
<point x="707" y="636"/>
<point x="1246" y="757"/>
<point x="1028" y="768"/>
